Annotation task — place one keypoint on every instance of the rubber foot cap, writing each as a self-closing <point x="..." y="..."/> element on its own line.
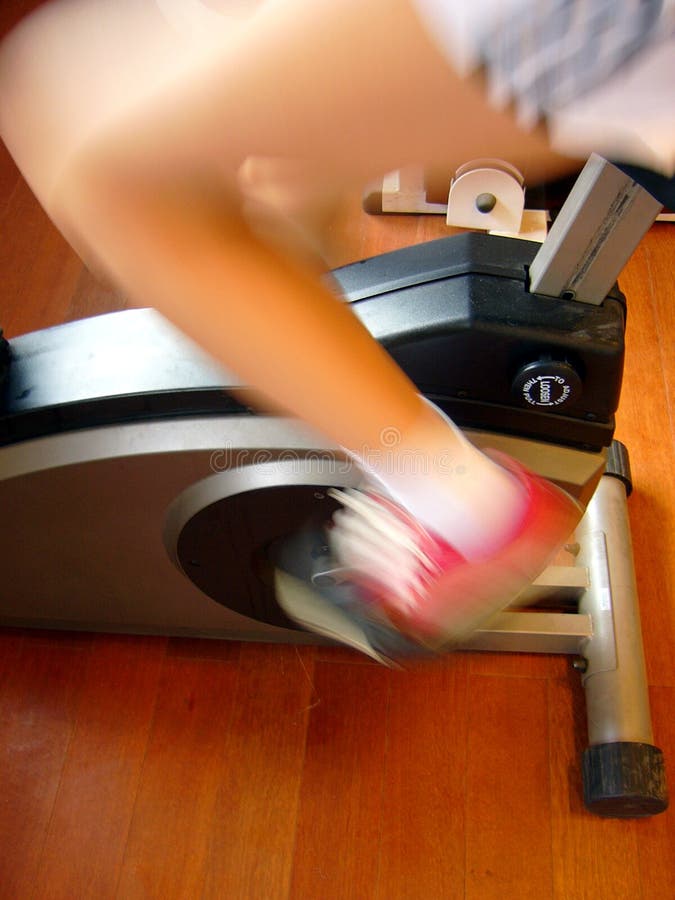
<point x="624" y="780"/>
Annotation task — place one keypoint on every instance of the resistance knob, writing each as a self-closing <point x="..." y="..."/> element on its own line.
<point x="547" y="384"/>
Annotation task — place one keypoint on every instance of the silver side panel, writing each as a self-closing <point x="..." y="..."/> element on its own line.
<point x="84" y="514"/>
<point x="127" y="352"/>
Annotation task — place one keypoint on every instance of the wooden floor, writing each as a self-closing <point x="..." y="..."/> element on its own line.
<point x="169" y="768"/>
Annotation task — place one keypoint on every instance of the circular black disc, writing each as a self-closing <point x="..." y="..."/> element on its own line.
<point x="223" y="548"/>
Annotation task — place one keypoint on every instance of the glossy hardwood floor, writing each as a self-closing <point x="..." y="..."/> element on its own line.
<point x="160" y="767"/>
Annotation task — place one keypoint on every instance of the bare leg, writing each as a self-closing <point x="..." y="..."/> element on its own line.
<point x="345" y="88"/>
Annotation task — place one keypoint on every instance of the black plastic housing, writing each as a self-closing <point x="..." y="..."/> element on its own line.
<point x="455" y="313"/>
<point x="458" y="317"/>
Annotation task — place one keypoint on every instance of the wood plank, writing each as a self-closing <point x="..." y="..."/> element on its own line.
<point x="9" y="179"/>
<point x="100" y="778"/>
<point x="354" y="235"/>
<point x="422" y="852"/>
<point x="202" y="648"/>
<point x="38" y="704"/>
<point x="336" y="850"/>
<point x="508" y="843"/>
<point x="168" y="846"/>
<point x="659" y="252"/>
<point x="252" y="830"/>
<point x="39" y="270"/>
<point x="656" y="836"/>
<point x="11" y="645"/>
<point x="519" y="665"/>
<point x="658" y="246"/>
<point x="12" y="11"/>
<point x="592" y="857"/>
<point x="642" y="424"/>
<point x="335" y="654"/>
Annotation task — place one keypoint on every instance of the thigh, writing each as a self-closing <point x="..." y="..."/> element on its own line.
<point x="353" y="87"/>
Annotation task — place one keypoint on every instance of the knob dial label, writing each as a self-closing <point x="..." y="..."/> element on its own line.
<point x="546" y="390"/>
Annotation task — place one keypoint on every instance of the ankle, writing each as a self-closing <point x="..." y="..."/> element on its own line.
<point x="449" y="485"/>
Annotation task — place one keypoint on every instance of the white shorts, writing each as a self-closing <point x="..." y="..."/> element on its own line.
<point x="601" y="73"/>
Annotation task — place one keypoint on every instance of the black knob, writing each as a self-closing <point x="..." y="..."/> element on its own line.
<point x="547" y="384"/>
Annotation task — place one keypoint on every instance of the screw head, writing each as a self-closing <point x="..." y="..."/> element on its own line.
<point x="486" y="202"/>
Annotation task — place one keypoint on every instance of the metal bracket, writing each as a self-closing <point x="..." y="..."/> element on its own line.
<point x="601" y="223"/>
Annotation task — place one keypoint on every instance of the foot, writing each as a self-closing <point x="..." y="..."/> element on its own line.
<point x="403" y="589"/>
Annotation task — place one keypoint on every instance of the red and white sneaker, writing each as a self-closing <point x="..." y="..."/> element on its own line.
<point x="404" y="590"/>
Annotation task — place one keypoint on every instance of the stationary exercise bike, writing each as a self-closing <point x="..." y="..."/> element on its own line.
<point x="140" y="495"/>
